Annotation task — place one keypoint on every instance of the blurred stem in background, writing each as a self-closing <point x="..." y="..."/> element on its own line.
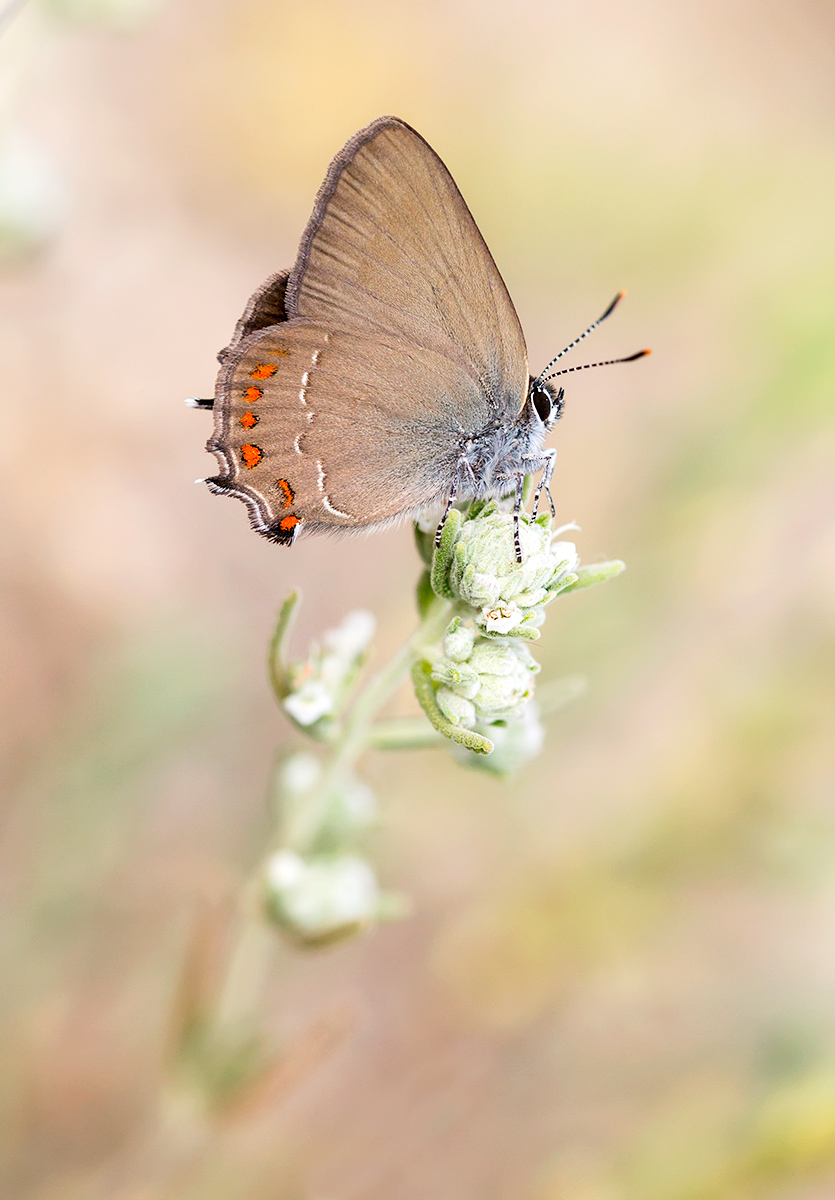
<point x="8" y="11"/>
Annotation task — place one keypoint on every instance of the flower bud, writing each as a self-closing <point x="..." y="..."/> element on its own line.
<point x="458" y="640"/>
<point x="456" y="709"/>
<point x="321" y="899"/>
<point x="300" y="773"/>
<point x="506" y="672"/>
<point x="484" y="571"/>
<point x="458" y="677"/>
<point x="483" y="667"/>
<point x="497" y="658"/>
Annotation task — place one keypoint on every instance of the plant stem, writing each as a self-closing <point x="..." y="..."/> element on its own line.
<point x="354" y="735"/>
<point x="248" y="964"/>
<point x="235" y="1013"/>
<point x="403" y="733"/>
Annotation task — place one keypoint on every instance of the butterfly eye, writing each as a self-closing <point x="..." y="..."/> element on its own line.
<point x="541" y="398"/>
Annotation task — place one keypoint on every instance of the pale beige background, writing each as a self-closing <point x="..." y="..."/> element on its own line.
<point x="618" y="983"/>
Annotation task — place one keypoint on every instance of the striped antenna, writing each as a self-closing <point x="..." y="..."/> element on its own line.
<point x="590" y="329"/>
<point x="608" y="363"/>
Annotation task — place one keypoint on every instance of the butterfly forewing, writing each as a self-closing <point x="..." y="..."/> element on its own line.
<point x="403" y="455"/>
<point x="391" y="248"/>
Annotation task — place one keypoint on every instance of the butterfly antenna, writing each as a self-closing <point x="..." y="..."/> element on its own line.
<point x="608" y="363"/>
<point x="590" y="329"/>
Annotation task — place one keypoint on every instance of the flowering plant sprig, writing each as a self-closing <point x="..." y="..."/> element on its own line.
<point x="474" y="677"/>
<point x="478" y="684"/>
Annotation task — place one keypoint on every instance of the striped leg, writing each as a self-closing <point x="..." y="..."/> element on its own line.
<point x="550" y="457"/>
<point x="453" y="493"/>
<point x="520" y="483"/>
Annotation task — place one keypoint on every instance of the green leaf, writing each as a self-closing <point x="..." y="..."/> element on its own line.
<point x="277" y="656"/>
<point x="425" y="693"/>
<point x="564" y="585"/>
<point x="593" y="574"/>
<point x="529" y="632"/>
<point x="481" y="508"/>
<point x="442" y="557"/>
<point x="424" y="594"/>
<point x="425" y="542"/>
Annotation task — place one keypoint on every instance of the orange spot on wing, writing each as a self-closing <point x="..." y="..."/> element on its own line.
<point x="249" y="420"/>
<point x="264" y="370"/>
<point x="252" y="394"/>
<point x="288" y="523"/>
<point x="251" y="455"/>
<point x="289" y="494"/>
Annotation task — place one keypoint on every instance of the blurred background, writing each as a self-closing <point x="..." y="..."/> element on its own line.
<point x="618" y="982"/>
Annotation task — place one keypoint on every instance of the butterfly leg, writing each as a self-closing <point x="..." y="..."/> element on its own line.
<point x="550" y="457"/>
<point x="520" y="484"/>
<point x="453" y="493"/>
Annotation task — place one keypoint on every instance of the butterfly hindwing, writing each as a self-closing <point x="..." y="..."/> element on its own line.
<point x="258" y="420"/>
<point x="265" y="307"/>
<point x="298" y="457"/>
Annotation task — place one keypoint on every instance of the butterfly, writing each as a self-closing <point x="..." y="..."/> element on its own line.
<point x="386" y="374"/>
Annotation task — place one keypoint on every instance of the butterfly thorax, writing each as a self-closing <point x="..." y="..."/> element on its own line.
<point x="500" y="451"/>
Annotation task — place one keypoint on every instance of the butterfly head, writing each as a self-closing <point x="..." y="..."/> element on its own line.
<point x="546" y="400"/>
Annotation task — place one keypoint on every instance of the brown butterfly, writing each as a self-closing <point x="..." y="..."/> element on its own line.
<point x="386" y="374"/>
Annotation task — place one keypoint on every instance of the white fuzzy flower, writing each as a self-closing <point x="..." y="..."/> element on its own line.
<point x="351" y="637"/>
<point x="285" y="870"/>
<point x="497" y="678"/>
<point x="312" y="700"/>
<point x="300" y="773"/>
<point x="319" y="685"/>
<point x="501" y="618"/>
